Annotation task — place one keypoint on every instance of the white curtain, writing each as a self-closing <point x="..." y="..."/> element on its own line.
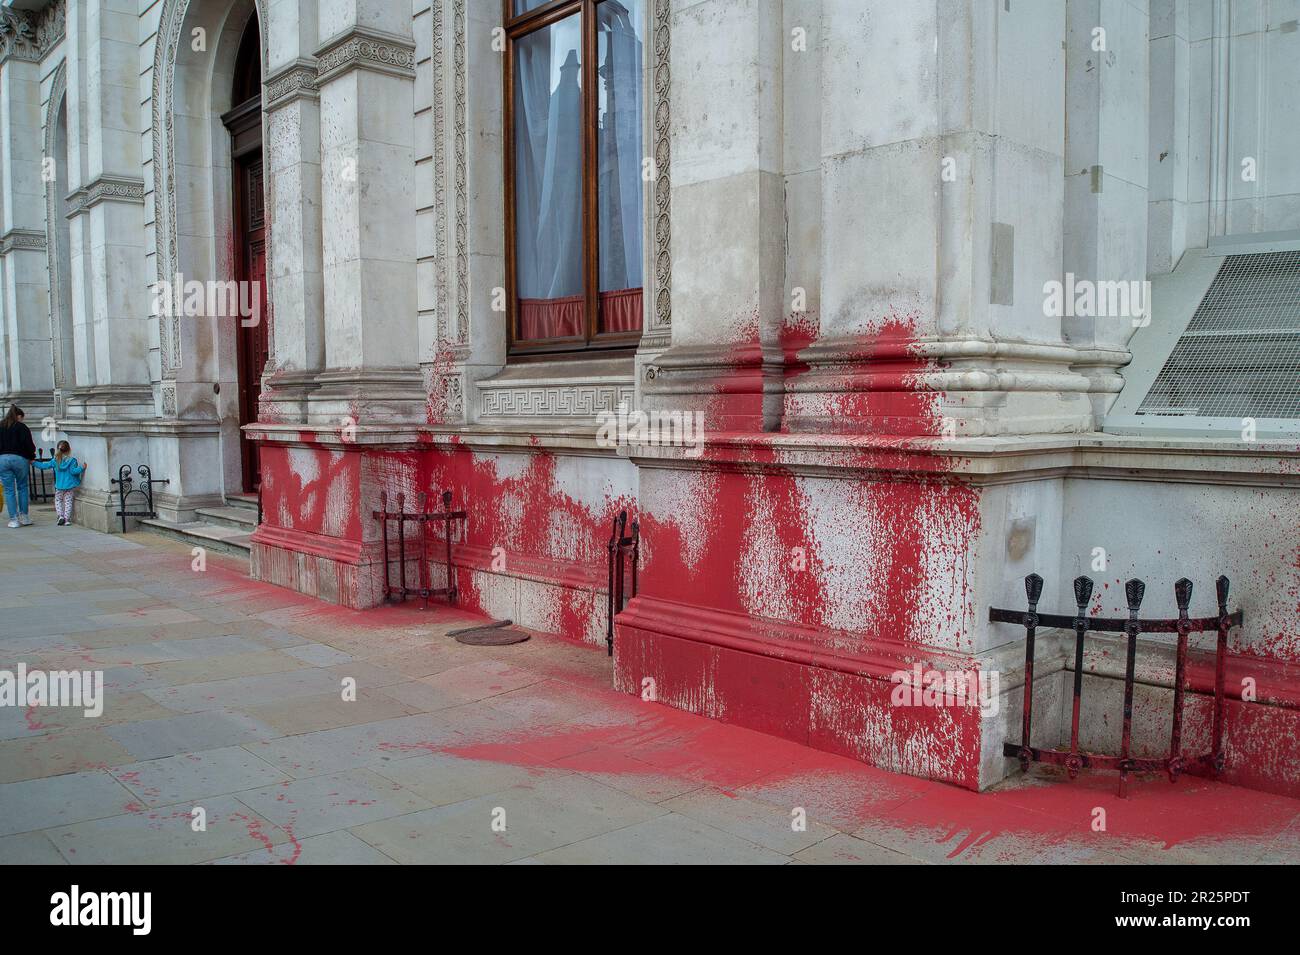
<point x="621" y="151"/>
<point x="548" y="171"/>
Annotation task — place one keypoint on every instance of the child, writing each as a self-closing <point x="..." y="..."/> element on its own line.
<point x="67" y="478"/>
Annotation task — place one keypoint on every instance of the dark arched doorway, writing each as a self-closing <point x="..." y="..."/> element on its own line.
<point x="244" y="121"/>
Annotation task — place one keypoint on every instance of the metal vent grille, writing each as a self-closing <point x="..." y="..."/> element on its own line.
<point x="1240" y="354"/>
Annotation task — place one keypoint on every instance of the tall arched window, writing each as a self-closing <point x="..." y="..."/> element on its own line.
<point x="575" y="173"/>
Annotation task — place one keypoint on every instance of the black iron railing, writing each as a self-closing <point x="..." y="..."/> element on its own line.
<point x="1074" y="759"/>
<point x="622" y="547"/>
<point x="40" y="484"/>
<point x="135" y="493"/>
<point x="422" y="518"/>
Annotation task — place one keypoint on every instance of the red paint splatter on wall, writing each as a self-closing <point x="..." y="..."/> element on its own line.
<point x="785" y="578"/>
<point x="533" y="538"/>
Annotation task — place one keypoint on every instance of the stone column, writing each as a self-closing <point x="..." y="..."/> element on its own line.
<point x="83" y="329"/>
<point x="320" y="484"/>
<point x="108" y="211"/>
<point x="109" y="285"/>
<point x="29" y="373"/>
<point x="1106" y="91"/>
<point x="367" y="80"/>
<point x="292" y="108"/>
<point x="1167" y="155"/>
<point x="728" y="209"/>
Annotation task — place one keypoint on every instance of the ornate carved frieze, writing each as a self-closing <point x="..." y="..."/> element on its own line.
<point x="459" y="67"/>
<point x="293" y="81"/>
<point x="170" y="24"/>
<point x="455" y="398"/>
<point x="22" y="239"/>
<point x="29" y="35"/>
<point x="362" y="48"/>
<point x="438" y="69"/>
<point x="555" y="401"/>
<point x="663" y="265"/>
<point x="105" y="189"/>
<point x="167" y="398"/>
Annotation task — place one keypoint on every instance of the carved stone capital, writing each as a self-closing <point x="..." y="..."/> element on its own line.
<point x="105" y="189"/>
<point x="22" y="239"/>
<point x="29" y="35"/>
<point x="293" y="81"/>
<point x="364" y="49"/>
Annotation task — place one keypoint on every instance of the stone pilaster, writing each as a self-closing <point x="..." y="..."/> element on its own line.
<point x="728" y="219"/>
<point x="29" y="373"/>
<point x="291" y="104"/>
<point x="106" y="214"/>
<point x="366" y="78"/>
<point x="942" y="210"/>
<point x="1106" y="209"/>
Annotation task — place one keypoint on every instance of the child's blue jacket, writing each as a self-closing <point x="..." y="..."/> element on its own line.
<point x="67" y="473"/>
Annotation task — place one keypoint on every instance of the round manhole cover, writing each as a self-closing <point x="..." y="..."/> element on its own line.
<point x="497" y="634"/>
<point x="491" y="637"/>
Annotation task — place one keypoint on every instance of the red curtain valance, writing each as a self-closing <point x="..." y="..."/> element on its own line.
<point x="620" y="310"/>
<point x="550" y="317"/>
<point x="541" y="318"/>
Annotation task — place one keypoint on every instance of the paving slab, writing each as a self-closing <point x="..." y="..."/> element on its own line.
<point x="195" y="775"/>
<point x="29" y="848"/>
<point x="59" y="800"/>
<point x="783" y="829"/>
<point x="536" y="818"/>
<point x="332" y="848"/>
<point x="166" y="835"/>
<point x="187" y="733"/>
<point x="443" y="779"/>
<point x="309" y="714"/>
<point x="669" y="839"/>
<point x="840" y="849"/>
<point x="318" y="655"/>
<point x="319" y="804"/>
<point x="54" y="754"/>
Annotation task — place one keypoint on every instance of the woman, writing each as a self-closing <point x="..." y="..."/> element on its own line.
<point x="17" y="451"/>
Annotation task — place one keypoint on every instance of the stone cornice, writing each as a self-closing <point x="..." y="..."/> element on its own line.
<point x="104" y="189"/>
<point x="22" y="239"/>
<point x="363" y="48"/>
<point x="29" y="34"/>
<point x="293" y="81"/>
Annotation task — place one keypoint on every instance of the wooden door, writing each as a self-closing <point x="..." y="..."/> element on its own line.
<point x="253" y="337"/>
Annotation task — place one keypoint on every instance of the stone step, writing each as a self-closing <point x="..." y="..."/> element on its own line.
<point x="226" y="540"/>
<point x="240" y="518"/>
<point x="247" y="502"/>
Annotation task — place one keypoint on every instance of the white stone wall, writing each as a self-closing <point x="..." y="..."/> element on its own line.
<point x="1222" y="134"/>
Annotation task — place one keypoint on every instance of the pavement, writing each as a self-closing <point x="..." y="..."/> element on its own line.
<point x="228" y="737"/>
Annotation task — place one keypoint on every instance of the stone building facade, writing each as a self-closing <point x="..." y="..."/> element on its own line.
<point x="827" y="230"/>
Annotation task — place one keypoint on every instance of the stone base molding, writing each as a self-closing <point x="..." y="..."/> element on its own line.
<point x="368" y="395"/>
<point x="735" y="387"/>
<point x="109" y="402"/>
<point x="36" y="405"/>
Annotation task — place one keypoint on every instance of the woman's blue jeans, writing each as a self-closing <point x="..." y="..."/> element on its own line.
<point x="13" y="476"/>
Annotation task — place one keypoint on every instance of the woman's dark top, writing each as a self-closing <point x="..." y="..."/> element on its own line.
<point x="17" y="439"/>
